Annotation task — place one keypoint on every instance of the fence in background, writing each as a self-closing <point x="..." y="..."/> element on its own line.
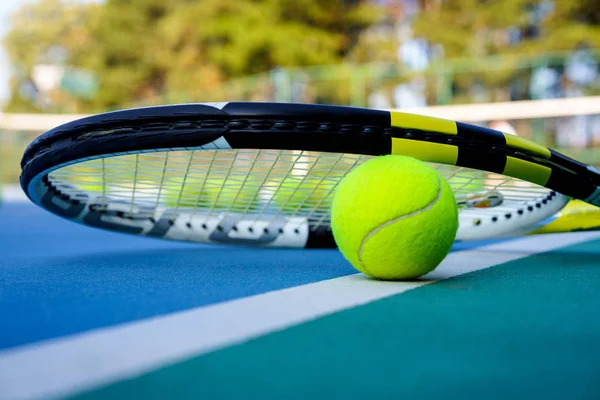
<point x="395" y="85"/>
<point x="570" y="125"/>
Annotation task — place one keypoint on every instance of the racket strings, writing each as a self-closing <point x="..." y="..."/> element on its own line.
<point x="135" y="181"/>
<point x="323" y="220"/>
<point x="184" y="182"/>
<point x="272" y="183"/>
<point x="279" y="198"/>
<point x="244" y="185"/>
<point x="104" y="200"/>
<point x="252" y="182"/>
<point x="257" y="185"/>
<point x="298" y="194"/>
<point x="160" y="185"/>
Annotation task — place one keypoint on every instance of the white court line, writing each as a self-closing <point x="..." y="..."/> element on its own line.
<point x="71" y="364"/>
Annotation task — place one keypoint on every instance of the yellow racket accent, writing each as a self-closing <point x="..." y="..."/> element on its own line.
<point x="524" y="144"/>
<point x="527" y="171"/>
<point x="425" y="151"/>
<point x="576" y="216"/>
<point x="423" y="123"/>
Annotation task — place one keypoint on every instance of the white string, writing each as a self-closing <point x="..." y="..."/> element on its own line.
<point x="248" y="182"/>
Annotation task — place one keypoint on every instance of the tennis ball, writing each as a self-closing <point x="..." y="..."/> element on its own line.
<point x="209" y="193"/>
<point x="297" y="194"/>
<point x="394" y="217"/>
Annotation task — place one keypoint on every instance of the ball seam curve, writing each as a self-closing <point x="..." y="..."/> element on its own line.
<point x="393" y="221"/>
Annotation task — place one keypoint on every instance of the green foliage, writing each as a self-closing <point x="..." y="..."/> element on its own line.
<point x="477" y="30"/>
<point x="144" y="48"/>
<point x="573" y="23"/>
<point x="156" y="51"/>
<point x="39" y="30"/>
<point x="45" y="32"/>
<point x="470" y="28"/>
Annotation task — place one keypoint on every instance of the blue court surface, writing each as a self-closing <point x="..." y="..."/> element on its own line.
<point x="86" y="313"/>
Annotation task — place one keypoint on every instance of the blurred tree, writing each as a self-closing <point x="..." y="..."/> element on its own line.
<point x="470" y="31"/>
<point x="474" y="28"/>
<point x="470" y="28"/>
<point x="568" y="25"/>
<point x="144" y="48"/>
<point x="42" y="39"/>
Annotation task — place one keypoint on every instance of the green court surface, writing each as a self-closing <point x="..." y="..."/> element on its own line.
<point x="528" y="328"/>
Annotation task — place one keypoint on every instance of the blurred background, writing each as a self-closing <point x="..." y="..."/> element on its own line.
<point x="530" y="67"/>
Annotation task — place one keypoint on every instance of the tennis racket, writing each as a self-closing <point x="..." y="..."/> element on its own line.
<point x="264" y="174"/>
<point x="576" y="216"/>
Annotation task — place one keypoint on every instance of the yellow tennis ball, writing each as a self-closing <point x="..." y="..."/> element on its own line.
<point x="394" y="217"/>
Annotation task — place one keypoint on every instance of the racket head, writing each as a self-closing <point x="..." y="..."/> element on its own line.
<point x="198" y="173"/>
